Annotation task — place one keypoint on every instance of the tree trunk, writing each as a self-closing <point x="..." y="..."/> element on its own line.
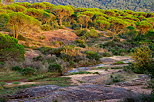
<point x="60" y="21"/>
<point x="81" y="26"/>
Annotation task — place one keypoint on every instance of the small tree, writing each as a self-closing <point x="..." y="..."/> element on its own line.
<point x="61" y="12"/>
<point x="143" y="59"/>
<point x="101" y="24"/>
<point x="4" y="19"/>
<point x="117" y="25"/>
<point x="20" y="23"/>
<point x="15" y="8"/>
<point x="41" y="15"/>
<point x="38" y="5"/>
<point x="83" y="20"/>
<point x="144" y="26"/>
<point x="10" y="49"/>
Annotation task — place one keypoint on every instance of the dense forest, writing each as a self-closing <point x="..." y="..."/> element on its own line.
<point x="39" y="41"/>
<point x="135" y="5"/>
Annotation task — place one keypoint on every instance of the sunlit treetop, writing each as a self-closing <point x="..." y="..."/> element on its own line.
<point x="38" y="5"/>
<point x="15" y="8"/>
<point x="25" y="4"/>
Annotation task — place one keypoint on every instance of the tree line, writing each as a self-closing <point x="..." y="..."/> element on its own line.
<point x="24" y="18"/>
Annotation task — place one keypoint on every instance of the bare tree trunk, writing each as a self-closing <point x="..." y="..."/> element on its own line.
<point x="81" y="26"/>
<point x="60" y="21"/>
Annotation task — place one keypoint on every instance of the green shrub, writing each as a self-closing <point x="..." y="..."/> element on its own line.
<point x="81" y="32"/>
<point x="17" y="68"/>
<point x="48" y="50"/>
<point x="118" y="63"/>
<point x="3" y="99"/>
<point x="93" y="33"/>
<point x="16" y="83"/>
<point x="55" y="68"/>
<point x="20" y="37"/>
<point x="106" y="54"/>
<point x="143" y="60"/>
<point x="42" y="37"/>
<point x="93" y="55"/>
<point x="10" y="49"/>
<point x="58" y="43"/>
<point x="82" y="45"/>
<point x="79" y="41"/>
<point x="38" y="58"/>
<point x="116" y="78"/>
<point x="46" y="27"/>
<point x="28" y="71"/>
<point x="2" y="63"/>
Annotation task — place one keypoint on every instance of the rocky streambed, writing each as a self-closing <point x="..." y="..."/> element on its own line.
<point x="109" y="84"/>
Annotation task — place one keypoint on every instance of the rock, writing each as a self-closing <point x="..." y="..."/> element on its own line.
<point x="35" y="91"/>
<point x="107" y="59"/>
<point x="99" y="65"/>
<point x="73" y="94"/>
<point x="80" y="69"/>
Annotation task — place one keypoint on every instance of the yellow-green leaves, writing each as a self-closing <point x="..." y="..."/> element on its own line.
<point x="62" y="11"/>
<point x="20" y="23"/>
<point x="143" y="26"/>
<point x="4" y="19"/>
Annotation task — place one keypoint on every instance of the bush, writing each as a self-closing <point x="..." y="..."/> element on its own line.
<point x="82" y="45"/>
<point x="93" y="33"/>
<point x="28" y="71"/>
<point x="81" y="32"/>
<point x="48" y="50"/>
<point x="106" y="54"/>
<point x="17" y="68"/>
<point x="10" y="49"/>
<point x="93" y="55"/>
<point x="20" y="37"/>
<point x="143" y="60"/>
<point x="55" y="68"/>
<point x="46" y="27"/>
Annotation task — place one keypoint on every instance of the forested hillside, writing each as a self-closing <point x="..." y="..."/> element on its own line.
<point x="40" y="42"/>
<point x="135" y="5"/>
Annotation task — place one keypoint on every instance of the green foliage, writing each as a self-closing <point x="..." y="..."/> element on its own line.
<point x="41" y="15"/>
<point x="15" y="8"/>
<point x="118" y="63"/>
<point x="10" y="49"/>
<point x="28" y="71"/>
<point x="55" y="67"/>
<point x="17" y="68"/>
<point x="38" y="5"/>
<point x="20" y="22"/>
<point x="93" y="33"/>
<point x="144" y="26"/>
<point x="102" y="24"/>
<point x="143" y="60"/>
<point x="92" y="55"/>
<point x="47" y="50"/>
<point x="82" y="72"/>
<point x="16" y="83"/>
<point x="116" y="78"/>
<point x="25" y="4"/>
<point x="116" y="47"/>
<point x="4" y="19"/>
<point x="46" y="27"/>
<point x="62" y="11"/>
<point x="106" y="54"/>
